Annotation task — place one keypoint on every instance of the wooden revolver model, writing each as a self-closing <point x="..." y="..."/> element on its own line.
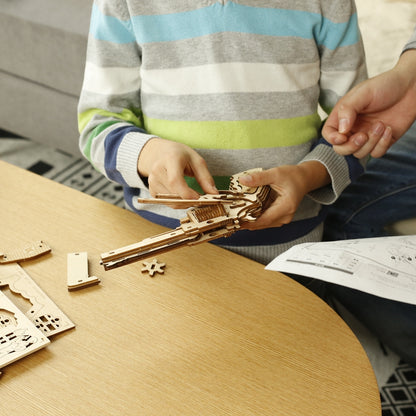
<point x="210" y="217"/>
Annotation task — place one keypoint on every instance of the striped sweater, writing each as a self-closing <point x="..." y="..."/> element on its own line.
<point x="238" y="81"/>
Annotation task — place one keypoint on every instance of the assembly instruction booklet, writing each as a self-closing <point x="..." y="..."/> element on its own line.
<point x="382" y="266"/>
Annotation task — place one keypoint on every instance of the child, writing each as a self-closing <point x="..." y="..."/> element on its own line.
<point x="176" y="91"/>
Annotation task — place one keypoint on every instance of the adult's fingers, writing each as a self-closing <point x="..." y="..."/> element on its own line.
<point x="384" y="143"/>
<point x="330" y="130"/>
<point x="379" y="139"/>
<point x="353" y="145"/>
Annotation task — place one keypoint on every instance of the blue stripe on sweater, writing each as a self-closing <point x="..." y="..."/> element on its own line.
<point x="110" y="28"/>
<point x="224" y="18"/>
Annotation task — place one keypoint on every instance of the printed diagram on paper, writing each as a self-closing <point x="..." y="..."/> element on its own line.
<point x="384" y="266"/>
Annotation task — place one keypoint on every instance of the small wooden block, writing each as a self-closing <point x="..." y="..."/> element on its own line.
<point x="77" y="271"/>
<point x="30" y="251"/>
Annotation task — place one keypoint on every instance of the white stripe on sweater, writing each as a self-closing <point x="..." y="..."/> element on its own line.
<point x="340" y="81"/>
<point x="230" y="77"/>
<point x="111" y="80"/>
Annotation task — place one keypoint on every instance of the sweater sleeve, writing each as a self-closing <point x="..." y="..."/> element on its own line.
<point x="109" y="110"/>
<point x="342" y="170"/>
<point x="341" y="50"/>
<point x="342" y="66"/>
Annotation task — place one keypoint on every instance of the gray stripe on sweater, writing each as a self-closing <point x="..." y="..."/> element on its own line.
<point x="107" y="54"/>
<point x="229" y="162"/>
<point x="229" y="47"/>
<point x="337" y="11"/>
<point x="242" y="106"/>
<point x="113" y="103"/>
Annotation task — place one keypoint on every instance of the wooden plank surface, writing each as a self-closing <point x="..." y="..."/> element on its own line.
<point x="216" y="334"/>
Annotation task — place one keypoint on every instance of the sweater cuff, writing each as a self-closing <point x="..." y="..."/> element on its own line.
<point x="340" y="170"/>
<point x="128" y="155"/>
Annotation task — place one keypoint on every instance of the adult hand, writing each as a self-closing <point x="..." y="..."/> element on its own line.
<point x="165" y="163"/>
<point x="375" y="113"/>
<point x="290" y="183"/>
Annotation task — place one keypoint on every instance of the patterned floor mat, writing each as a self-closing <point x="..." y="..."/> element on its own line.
<point x="398" y="395"/>
<point x="74" y="172"/>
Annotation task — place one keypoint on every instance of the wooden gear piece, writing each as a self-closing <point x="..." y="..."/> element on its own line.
<point x="27" y="252"/>
<point x="77" y="271"/>
<point x="153" y="267"/>
<point x="44" y="314"/>
<point x="210" y="217"/>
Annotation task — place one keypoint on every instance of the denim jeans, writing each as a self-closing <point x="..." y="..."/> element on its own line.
<point x="386" y="193"/>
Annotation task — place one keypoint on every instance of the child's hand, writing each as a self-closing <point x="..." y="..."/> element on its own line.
<point x="291" y="183"/>
<point x="165" y="163"/>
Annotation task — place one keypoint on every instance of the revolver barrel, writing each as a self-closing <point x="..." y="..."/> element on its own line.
<point x="188" y="233"/>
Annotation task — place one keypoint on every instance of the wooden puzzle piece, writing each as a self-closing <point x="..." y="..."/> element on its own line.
<point x="19" y="337"/>
<point x="77" y="271"/>
<point x="210" y="217"/>
<point x="27" y="252"/>
<point x="153" y="267"/>
<point x="44" y="314"/>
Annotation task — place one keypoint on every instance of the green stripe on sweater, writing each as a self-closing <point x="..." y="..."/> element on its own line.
<point x="126" y="115"/>
<point x="246" y="134"/>
<point x="87" y="148"/>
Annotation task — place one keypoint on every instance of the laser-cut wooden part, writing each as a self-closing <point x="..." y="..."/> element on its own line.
<point x="77" y="271"/>
<point x="27" y="252"/>
<point x="210" y="217"/>
<point x="44" y="314"/>
<point x="19" y="337"/>
<point x="153" y="267"/>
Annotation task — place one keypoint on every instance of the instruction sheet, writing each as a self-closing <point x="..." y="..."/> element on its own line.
<point x="384" y="266"/>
